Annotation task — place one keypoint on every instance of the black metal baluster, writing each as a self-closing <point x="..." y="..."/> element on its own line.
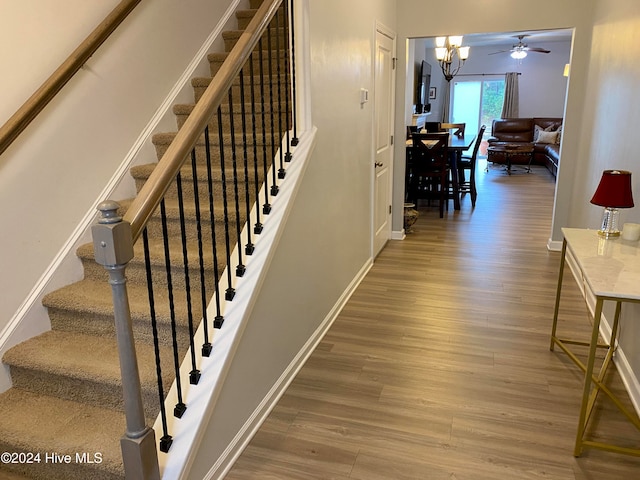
<point x="240" y="268"/>
<point x="180" y="407"/>
<point x="194" y="374"/>
<point x="249" y="247"/>
<point x="281" y="171"/>
<point x="206" y="346"/>
<point x="166" y="440"/>
<point x="219" y="319"/>
<point x="266" y="208"/>
<point x="287" y="83"/>
<point x="272" y="159"/>
<point x="294" y="140"/>
<point x="230" y="292"/>
<point x="257" y="229"/>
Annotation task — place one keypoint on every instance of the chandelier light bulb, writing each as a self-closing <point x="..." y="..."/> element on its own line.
<point x="441" y="53"/>
<point x="451" y="55"/>
<point x="455" y="41"/>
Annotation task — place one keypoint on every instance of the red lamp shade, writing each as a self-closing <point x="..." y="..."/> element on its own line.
<point x="614" y="190"/>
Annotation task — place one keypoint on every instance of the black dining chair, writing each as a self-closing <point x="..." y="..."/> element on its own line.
<point x="430" y="168"/>
<point x="468" y="162"/>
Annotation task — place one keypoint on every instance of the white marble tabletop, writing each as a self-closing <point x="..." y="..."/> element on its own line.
<point x="611" y="267"/>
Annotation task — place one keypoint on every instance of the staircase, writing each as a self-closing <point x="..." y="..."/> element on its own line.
<point x="63" y="417"/>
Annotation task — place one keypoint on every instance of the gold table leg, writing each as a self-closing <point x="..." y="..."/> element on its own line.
<point x="593" y="384"/>
<point x="558" y="293"/>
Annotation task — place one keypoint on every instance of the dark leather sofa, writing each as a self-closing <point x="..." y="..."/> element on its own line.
<point x="521" y="131"/>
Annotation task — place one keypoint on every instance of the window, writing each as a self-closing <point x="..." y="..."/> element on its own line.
<point x="476" y="101"/>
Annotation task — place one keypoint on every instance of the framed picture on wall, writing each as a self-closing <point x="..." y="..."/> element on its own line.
<point x="432" y="93"/>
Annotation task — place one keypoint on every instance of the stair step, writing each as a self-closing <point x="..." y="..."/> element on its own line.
<point x="231" y="37"/>
<point x="86" y="307"/>
<point x="136" y="269"/>
<point x="182" y="112"/>
<point x="46" y="425"/>
<point x="217" y="59"/>
<point x="141" y="174"/>
<point x="91" y="375"/>
<point x="200" y="84"/>
<point x="244" y="17"/>
<point x="162" y="141"/>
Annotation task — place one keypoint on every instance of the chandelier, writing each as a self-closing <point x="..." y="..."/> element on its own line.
<point x="449" y="50"/>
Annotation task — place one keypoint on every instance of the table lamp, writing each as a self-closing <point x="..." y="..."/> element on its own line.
<point x="613" y="192"/>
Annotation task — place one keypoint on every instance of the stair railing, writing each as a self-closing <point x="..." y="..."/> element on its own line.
<point x="50" y="88"/>
<point x="253" y="93"/>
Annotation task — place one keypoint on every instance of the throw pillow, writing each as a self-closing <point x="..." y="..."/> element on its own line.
<point x="547" y="137"/>
<point x="537" y="129"/>
<point x="559" y="132"/>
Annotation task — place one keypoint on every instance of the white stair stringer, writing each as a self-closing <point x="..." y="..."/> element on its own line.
<point x="201" y="399"/>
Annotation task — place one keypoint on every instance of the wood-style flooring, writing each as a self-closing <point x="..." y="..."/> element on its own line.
<point x="439" y="366"/>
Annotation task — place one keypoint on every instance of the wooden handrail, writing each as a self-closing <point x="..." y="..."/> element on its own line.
<point x="41" y="97"/>
<point x="154" y="189"/>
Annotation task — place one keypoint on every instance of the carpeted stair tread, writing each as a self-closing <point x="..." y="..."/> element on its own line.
<point x="244" y="17"/>
<point x="83" y="368"/>
<point x="142" y="172"/>
<point x="156" y="251"/>
<point x="85" y="357"/>
<point x="156" y="255"/>
<point x="39" y="423"/>
<point x="203" y="82"/>
<point x="165" y="139"/>
<point x="261" y="63"/>
<point x="187" y="108"/>
<point x="85" y="307"/>
<point x="93" y="297"/>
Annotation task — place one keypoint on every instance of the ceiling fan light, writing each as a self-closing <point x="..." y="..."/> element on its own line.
<point x="518" y="54"/>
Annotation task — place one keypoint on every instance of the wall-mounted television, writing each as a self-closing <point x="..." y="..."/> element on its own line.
<point x="423" y="82"/>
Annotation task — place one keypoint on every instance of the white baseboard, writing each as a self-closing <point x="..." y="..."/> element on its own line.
<point x="398" y="235"/>
<point x="554" y="245"/>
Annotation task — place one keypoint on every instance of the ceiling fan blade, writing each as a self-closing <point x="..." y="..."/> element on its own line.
<point x="500" y="51"/>
<point x="536" y="49"/>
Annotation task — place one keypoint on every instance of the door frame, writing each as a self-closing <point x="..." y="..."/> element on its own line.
<point x="381" y="28"/>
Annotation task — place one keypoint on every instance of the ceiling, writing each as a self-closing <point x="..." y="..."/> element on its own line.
<point x="507" y="39"/>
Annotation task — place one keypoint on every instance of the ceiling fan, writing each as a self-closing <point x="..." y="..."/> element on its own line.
<point x="520" y="49"/>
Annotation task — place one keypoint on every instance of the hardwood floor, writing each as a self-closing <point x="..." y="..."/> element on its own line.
<point x="439" y="366"/>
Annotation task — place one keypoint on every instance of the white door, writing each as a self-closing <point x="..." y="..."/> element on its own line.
<point x="384" y="86"/>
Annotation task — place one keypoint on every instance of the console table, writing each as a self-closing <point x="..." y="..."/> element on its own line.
<point x="610" y="269"/>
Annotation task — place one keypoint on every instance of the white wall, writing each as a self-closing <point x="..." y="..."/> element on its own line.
<point x="37" y="36"/>
<point x="609" y="140"/>
<point x="327" y="242"/>
<point x="55" y="172"/>
<point x="541" y="83"/>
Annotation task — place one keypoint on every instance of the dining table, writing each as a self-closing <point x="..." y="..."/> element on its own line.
<point x="457" y="145"/>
